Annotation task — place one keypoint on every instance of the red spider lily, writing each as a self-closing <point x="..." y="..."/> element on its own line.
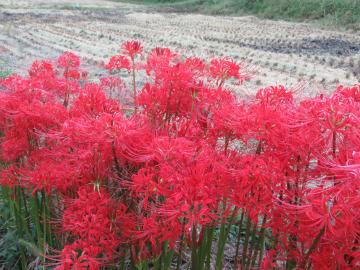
<point x="196" y="64"/>
<point x="353" y="92"/>
<point x="269" y="261"/>
<point x="81" y="153"/>
<point x="274" y="95"/>
<point x="132" y="48"/>
<point x="188" y="195"/>
<point x="91" y="219"/>
<point x="225" y="68"/>
<point x="25" y="112"/>
<point x="174" y="94"/>
<point x="151" y="234"/>
<point x="40" y="69"/>
<point x="65" y="88"/>
<point x="92" y="101"/>
<point x="159" y="58"/>
<point x="72" y="74"/>
<point x="9" y="177"/>
<point x="69" y="60"/>
<point x="118" y="62"/>
<point x="70" y="259"/>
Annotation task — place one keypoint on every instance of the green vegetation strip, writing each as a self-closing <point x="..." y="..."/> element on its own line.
<point x="336" y="13"/>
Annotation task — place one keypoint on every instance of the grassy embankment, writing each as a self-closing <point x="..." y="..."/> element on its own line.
<point x="335" y="13"/>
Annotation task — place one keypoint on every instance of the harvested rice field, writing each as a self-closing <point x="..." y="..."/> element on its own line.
<point x="298" y="55"/>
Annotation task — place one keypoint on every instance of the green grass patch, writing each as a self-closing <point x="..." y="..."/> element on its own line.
<point x="338" y="13"/>
<point x="4" y="69"/>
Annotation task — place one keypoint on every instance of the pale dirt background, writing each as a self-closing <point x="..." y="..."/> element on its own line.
<point x="285" y="53"/>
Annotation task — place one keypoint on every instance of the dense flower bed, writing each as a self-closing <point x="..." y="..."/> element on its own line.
<point x="164" y="174"/>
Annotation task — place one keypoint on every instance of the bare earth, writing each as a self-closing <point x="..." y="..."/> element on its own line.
<point x="285" y="53"/>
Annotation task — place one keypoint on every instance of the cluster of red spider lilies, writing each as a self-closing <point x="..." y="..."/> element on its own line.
<point x="172" y="170"/>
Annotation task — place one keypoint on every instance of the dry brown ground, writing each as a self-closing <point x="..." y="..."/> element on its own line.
<point x="282" y="52"/>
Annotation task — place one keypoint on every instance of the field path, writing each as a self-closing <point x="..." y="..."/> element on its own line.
<point x="282" y="52"/>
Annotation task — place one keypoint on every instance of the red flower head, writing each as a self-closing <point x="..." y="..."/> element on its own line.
<point x="69" y="60"/>
<point x="72" y="74"/>
<point x="91" y="219"/>
<point x="92" y="101"/>
<point x="72" y="259"/>
<point x="353" y="92"/>
<point x="132" y="48"/>
<point x="118" y="62"/>
<point x="225" y="68"/>
<point x="41" y="69"/>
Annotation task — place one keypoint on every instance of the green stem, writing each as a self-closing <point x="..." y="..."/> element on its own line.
<point x="221" y="246"/>
<point x="44" y="223"/>
<point x="202" y="248"/>
<point x="22" y="215"/>
<point x="238" y="240"/>
<point x="194" y="253"/>
<point x="19" y="228"/>
<point x="252" y="246"/>
<point x="210" y="236"/>
<point x="23" y="196"/>
<point x="48" y="218"/>
<point x="224" y="233"/>
<point x="122" y="263"/>
<point x="34" y="206"/>
<point x="179" y="258"/>
<point x="167" y="256"/>
<point x="247" y="236"/>
<point x="260" y="243"/>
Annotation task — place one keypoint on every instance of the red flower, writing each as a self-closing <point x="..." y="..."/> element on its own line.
<point x="118" y="62"/>
<point x="92" y="101"/>
<point x="72" y="74"/>
<point x="91" y="218"/>
<point x="69" y="60"/>
<point x="41" y="69"/>
<point x="71" y="259"/>
<point x="225" y="68"/>
<point x="158" y="179"/>
<point x="132" y="48"/>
